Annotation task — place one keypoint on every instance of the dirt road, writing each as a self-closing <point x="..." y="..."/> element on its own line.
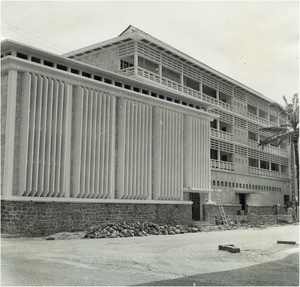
<point x="134" y="261"/>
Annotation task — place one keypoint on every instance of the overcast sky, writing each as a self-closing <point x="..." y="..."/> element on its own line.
<point x="255" y="43"/>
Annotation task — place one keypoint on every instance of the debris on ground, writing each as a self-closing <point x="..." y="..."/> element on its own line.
<point x="117" y="230"/>
<point x="143" y="229"/>
<point x="66" y="235"/>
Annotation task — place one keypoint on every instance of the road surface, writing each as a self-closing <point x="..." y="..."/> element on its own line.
<point x="140" y="260"/>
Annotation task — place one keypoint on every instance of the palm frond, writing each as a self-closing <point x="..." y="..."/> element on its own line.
<point x="272" y="139"/>
<point x="279" y="107"/>
<point x="283" y="128"/>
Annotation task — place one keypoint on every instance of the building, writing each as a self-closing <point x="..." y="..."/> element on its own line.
<point x="130" y="129"/>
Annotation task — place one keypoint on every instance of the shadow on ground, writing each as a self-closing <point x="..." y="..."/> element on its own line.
<point x="284" y="272"/>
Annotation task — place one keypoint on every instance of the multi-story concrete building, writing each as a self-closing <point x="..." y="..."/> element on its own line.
<point x="131" y="128"/>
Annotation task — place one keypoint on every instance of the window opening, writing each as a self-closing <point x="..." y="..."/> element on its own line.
<point x="167" y="73"/>
<point x="209" y="91"/>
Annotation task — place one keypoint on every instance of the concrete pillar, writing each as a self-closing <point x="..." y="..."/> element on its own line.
<point x="10" y="133"/>
<point x="135" y="63"/>
<point x="181" y="79"/>
<point x="218" y="125"/>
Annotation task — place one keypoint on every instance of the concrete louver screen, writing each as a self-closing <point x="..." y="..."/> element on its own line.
<point x="196" y="172"/>
<point x="134" y="149"/>
<point x="167" y="154"/>
<point x="45" y="137"/>
<point x="93" y="145"/>
<point x="82" y="142"/>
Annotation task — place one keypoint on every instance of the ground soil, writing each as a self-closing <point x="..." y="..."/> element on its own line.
<point x="145" y="260"/>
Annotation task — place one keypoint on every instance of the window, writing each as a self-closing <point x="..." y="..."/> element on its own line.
<point x="224" y="157"/>
<point x="264" y="164"/>
<point x="84" y="74"/>
<point x="74" y="71"/>
<point x="147" y="65"/>
<point x="191" y="83"/>
<point x="252" y="136"/>
<point x="274" y="166"/>
<point x="209" y="91"/>
<point x="22" y="56"/>
<point x="167" y="73"/>
<point x="36" y="60"/>
<point x="61" y="67"/>
<point x="213" y="154"/>
<point x="253" y="162"/>
<point x="48" y="63"/>
<point x="127" y="62"/>
<point x="224" y="98"/>
<point x="213" y="124"/>
<point x="252" y="110"/>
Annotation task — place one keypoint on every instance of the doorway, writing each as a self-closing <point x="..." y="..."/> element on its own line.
<point x="242" y="198"/>
<point x="195" y="198"/>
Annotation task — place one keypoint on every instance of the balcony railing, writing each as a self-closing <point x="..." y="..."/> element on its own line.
<point x="271" y="149"/>
<point x="267" y="173"/>
<point x="176" y="86"/>
<point x="127" y="72"/>
<point x="224" y="165"/>
<point x="259" y="120"/>
<point x="276" y="150"/>
<point x="221" y="135"/>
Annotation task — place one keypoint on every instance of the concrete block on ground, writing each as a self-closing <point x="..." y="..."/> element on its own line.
<point x="230" y="248"/>
<point x="286" y="242"/>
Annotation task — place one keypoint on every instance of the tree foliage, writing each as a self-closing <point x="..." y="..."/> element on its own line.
<point x="288" y="131"/>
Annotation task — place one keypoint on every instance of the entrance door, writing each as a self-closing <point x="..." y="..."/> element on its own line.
<point x="243" y="200"/>
<point x="195" y="206"/>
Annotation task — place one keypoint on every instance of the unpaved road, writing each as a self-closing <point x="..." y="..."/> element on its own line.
<point x="134" y="261"/>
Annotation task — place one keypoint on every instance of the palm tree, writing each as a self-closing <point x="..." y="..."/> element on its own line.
<point x="289" y="131"/>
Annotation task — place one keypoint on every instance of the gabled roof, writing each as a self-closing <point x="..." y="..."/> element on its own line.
<point x="133" y="33"/>
<point x="129" y="30"/>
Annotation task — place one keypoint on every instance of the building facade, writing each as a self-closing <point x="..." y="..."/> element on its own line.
<point x="128" y="125"/>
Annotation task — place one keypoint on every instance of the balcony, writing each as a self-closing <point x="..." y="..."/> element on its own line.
<point x="221" y="135"/>
<point x="267" y="173"/>
<point x="222" y="165"/>
<point x="276" y="150"/>
<point x="259" y="120"/>
<point x="270" y="149"/>
<point x="176" y="86"/>
<point x="253" y="143"/>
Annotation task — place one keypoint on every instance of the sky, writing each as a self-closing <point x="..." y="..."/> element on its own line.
<point x="253" y="42"/>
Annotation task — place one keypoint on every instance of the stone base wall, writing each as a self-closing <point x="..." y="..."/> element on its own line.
<point x="211" y="211"/>
<point x="266" y="209"/>
<point x="44" y="218"/>
<point x="255" y="215"/>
